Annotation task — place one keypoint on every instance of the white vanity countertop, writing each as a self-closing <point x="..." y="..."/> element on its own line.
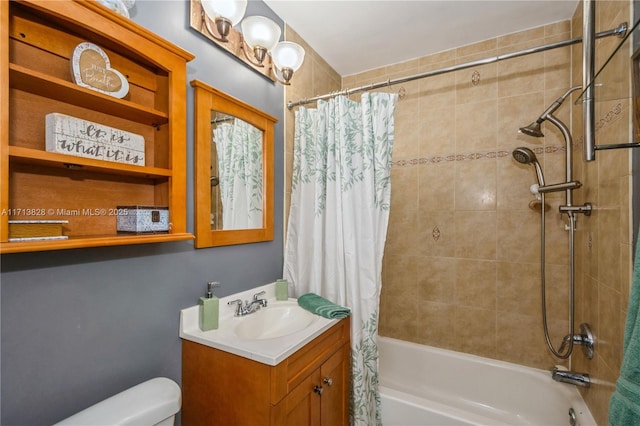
<point x="267" y="351"/>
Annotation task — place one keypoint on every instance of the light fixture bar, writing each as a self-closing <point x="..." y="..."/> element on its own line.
<point x="248" y="47"/>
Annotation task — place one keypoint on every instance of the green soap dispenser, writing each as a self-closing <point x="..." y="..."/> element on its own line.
<point x="282" y="289"/>
<point x="209" y="308"/>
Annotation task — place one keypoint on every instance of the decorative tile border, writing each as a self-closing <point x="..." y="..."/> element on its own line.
<point x="610" y="117"/>
<point x="482" y="155"/>
<point x="607" y="119"/>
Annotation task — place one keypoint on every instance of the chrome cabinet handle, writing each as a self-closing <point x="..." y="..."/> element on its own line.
<point x="327" y="381"/>
<point x="318" y="389"/>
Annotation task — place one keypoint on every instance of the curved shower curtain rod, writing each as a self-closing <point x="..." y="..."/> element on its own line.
<point x="620" y="31"/>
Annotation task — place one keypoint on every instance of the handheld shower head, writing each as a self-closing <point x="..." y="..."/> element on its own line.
<point x="524" y="155"/>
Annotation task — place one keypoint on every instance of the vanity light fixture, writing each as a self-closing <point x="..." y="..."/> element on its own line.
<point x="225" y="14"/>
<point x="261" y="34"/>
<point x="287" y="58"/>
<point x="258" y="40"/>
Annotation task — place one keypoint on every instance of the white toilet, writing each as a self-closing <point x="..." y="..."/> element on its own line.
<point x="152" y="403"/>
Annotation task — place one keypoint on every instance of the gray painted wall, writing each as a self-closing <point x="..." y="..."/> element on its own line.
<point x="80" y="325"/>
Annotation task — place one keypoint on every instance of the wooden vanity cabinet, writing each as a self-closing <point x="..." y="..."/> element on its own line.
<point x="37" y="41"/>
<point x="310" y="387"/>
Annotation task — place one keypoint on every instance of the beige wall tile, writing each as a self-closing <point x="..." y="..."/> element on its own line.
<point x="436" y="233"/>
<point x="436" y="279"/>
<point x="556" y="62"/>
<point x="400" y="318"/>
<point x="475" y="331"/>
<point x="438" y="131"/>
<point x="401" y="235"/>
<point x="475" y="234"/>
<point x="516" y="241"/>
<point x="437" y="92"/>
<point x="515" y="39"/>
<point x="520" y="339"/>
<point x="475" y="283"/>
<point x="558" y="28"/>
<point x="486" y="48"/>
<point x="403" y="194"/>
<point x="401" y="276"/>
<point x="435" y="325"/>
<point x="477" y="84"/>
<point x="438" y="60"/>
<point x="408" y="129"/>
<point x="557" y="293"/>
<point x="610" y="327"/>
<point x="521" y="75"/>
<point x="518" y="289"/>
<point x="476" y="126"/>
<point x="475" y="185"/>
<point x="436" y="186"/>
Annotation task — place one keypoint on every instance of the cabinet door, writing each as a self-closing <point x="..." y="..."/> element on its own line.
<point x="301" y="406"/>
<point x="334" y="376"/>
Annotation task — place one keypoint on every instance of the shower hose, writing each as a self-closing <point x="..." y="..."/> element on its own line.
<point x="568" y="341"/>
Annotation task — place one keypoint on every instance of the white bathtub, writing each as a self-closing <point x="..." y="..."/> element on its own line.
<point x="421" y="385"/>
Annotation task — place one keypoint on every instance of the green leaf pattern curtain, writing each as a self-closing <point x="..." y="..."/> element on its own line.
<point x="338" y="222"/>
<point x="239" y="150"/>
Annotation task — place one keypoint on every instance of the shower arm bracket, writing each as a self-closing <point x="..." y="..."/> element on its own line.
<point x="585" y="209"/>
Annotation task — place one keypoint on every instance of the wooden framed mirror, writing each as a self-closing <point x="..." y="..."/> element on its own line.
<point x="233" y="170"/>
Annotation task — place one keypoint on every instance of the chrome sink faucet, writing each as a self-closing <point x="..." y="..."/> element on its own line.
<point x="249" y="307"/>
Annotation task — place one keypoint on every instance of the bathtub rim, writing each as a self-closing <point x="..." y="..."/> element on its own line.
<point x="570" y="392"/>
<point x="465" y="355"/>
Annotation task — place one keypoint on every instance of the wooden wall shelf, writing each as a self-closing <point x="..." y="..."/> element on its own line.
<point x="37" y="39"/>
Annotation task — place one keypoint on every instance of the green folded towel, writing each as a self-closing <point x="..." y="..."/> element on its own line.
<point x="323" y="307"/>
<point x="624" y="406"/>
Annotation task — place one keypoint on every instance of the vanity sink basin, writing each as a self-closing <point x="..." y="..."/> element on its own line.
<point x="268" y="335"/>
<point x="276" y="320"/>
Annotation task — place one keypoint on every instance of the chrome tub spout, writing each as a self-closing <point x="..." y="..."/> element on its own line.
<point x="571" y="377"/>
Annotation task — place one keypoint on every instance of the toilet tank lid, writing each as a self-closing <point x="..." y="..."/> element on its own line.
<point x="145" y="404"/>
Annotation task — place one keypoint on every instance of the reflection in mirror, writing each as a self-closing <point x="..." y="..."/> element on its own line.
<point x="236" y="173"/>
<point x="233" y="170"/>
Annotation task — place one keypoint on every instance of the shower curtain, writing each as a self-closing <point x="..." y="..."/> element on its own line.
<point x="239" y="150"/>
<point x="338" y="222"/>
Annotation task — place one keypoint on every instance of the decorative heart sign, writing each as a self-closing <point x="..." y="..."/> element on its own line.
<point x="91" y="69"/>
